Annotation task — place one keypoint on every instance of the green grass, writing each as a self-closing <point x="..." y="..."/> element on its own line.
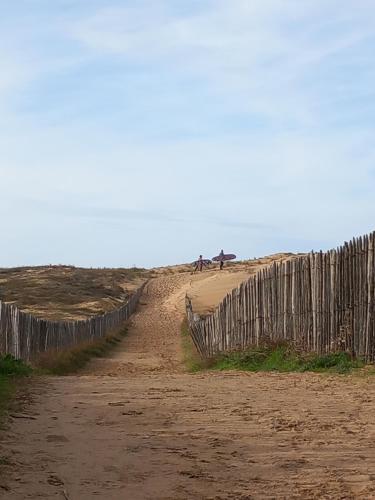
<point x="191" y="358"/>
<point x="283" y="358"/>
<point x="11" y="367"/>
<point x="11" y="371"/>
<point x="74" y="359"/>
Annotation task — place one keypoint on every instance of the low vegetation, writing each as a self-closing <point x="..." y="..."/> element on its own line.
<point x="11" y="367"/>
<point x="269" y="357"/>
<point x="284" y="358"/>
<point x="11" y="371"/>
<point x="72" y="360"/>
<point x="191" y="358"/>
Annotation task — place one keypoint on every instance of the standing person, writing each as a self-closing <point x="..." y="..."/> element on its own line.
<point x="199" y="264"/>
<point x="221" y="255"/>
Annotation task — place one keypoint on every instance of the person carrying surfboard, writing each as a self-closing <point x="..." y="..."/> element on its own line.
<point x="199" y="264"/>
<point x="222" y="257"/>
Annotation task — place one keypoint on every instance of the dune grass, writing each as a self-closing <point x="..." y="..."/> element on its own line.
<point x="73" y="359"/>
<point x="68" y="292"/>
<point x="284" y="358"/>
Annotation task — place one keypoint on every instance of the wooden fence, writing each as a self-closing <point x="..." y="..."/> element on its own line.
<point x="24" y="335"/>
<point x="322" y="302"/>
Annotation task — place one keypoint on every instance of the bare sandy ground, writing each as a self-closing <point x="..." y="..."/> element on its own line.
<point x="137" y="426"/>
<point x="207" y="293"/>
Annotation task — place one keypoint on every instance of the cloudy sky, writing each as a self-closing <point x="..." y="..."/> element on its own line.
<point x="147" y="132"/>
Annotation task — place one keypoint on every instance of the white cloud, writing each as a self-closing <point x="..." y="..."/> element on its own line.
<point x="287" y="178"/>
<point x="261" y="50"/>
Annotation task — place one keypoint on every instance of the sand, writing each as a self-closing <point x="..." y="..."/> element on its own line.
<point x="136" y="425"/>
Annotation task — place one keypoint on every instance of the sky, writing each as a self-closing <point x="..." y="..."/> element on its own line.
<point x="147" y="132"/>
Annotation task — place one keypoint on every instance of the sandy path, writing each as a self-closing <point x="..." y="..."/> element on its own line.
<point x="135" y="426"/>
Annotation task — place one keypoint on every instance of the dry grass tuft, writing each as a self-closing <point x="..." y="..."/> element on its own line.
<point x="73" y="359"/>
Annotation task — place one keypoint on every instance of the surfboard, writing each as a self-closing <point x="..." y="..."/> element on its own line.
<point x="226" y="256"/>
<point x="205" y="262"/>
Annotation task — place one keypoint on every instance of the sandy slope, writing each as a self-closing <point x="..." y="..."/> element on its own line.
<point x="136" y="426"/>
<point x="207" y="293"/>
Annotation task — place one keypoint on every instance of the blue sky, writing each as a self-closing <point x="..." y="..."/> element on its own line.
<point x="148" y="132"/>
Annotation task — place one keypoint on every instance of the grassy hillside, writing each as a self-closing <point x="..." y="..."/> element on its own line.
<point x="66" y="292"/>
